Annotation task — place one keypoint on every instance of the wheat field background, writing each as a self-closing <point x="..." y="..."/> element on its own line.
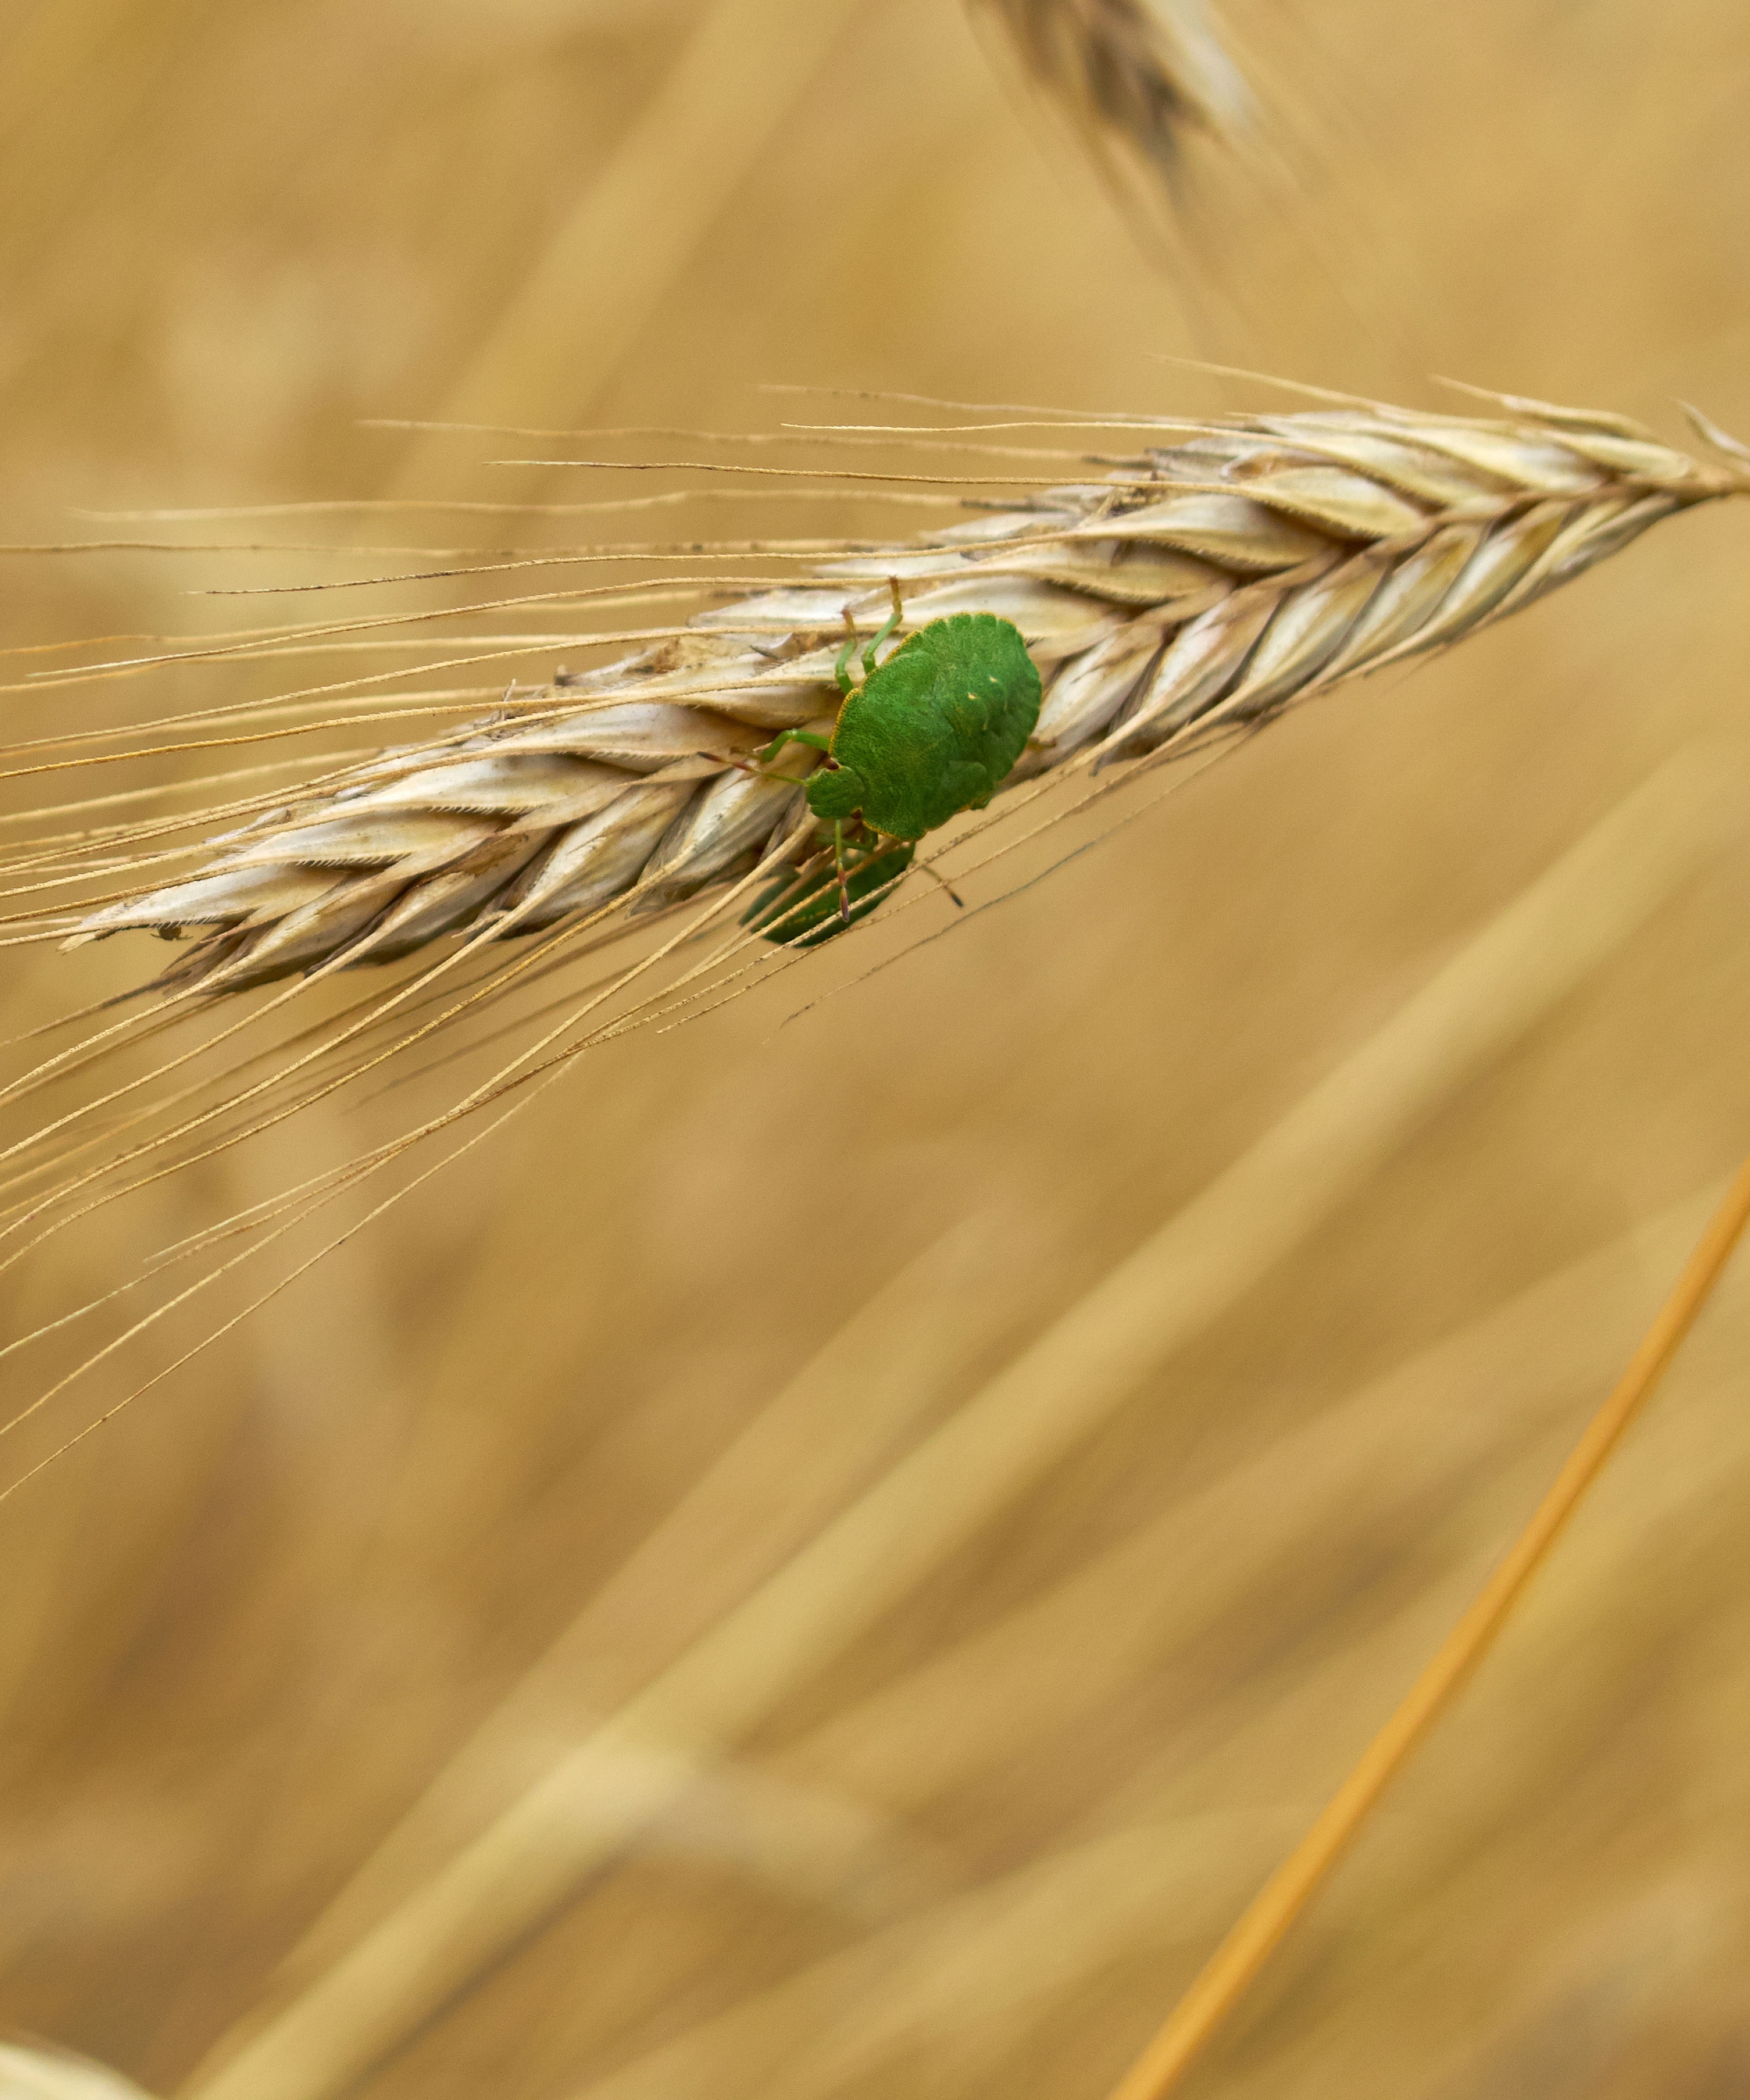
<point x="723" y="1277"/>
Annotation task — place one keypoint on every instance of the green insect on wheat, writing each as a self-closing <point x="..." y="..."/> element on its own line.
<point x="933" y="729"/>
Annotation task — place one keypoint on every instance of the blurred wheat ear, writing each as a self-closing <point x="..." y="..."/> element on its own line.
<point x="1138" y="81"/>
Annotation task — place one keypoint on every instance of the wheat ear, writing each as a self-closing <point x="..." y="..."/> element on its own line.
<point x="1187" y="589"/>
<point x="1239" y="1959"/>
<point x="1175" y="596"/>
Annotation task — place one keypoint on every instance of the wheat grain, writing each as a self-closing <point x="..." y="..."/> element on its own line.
<point x="1187" y="589"/>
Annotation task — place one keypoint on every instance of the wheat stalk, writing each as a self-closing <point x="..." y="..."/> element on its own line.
<point x="1200" y="1264"/>
<point x="1267" y="1920"/>
<point x="1187" y="589"/>
<point x="51" y="2074"/>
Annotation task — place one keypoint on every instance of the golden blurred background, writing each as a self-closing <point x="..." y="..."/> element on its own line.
<point x="594" y="1386"/>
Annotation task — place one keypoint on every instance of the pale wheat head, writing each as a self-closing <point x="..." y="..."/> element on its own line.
<point x="1176" y="593"/>
<point x="1195" y="584"/>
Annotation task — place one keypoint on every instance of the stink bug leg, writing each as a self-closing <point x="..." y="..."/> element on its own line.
<point x="761" y="761"/>
<point x="793" y="735"/>
<point x="888" y="625"/>
<point x="841" y="670"/>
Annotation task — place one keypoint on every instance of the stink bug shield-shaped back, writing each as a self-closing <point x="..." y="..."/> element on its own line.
<point x="934" y="730"/>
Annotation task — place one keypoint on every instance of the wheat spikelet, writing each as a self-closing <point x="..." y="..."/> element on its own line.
<point x="1187" y="589"/>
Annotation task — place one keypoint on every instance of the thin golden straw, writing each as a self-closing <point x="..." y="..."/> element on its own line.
<point x="1230" y="1971"/>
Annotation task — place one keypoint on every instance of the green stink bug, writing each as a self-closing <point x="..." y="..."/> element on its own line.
<point x="931" y="731"/>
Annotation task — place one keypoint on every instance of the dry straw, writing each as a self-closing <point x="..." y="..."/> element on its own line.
<point x="36" y="2074"/>
<point x="1268" y="1918"/>
<point x="1178" y="591"/>
<point x="565" y="326"/>
<point x="1178" y="1837"/>
<point x="603" y="1794"/>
